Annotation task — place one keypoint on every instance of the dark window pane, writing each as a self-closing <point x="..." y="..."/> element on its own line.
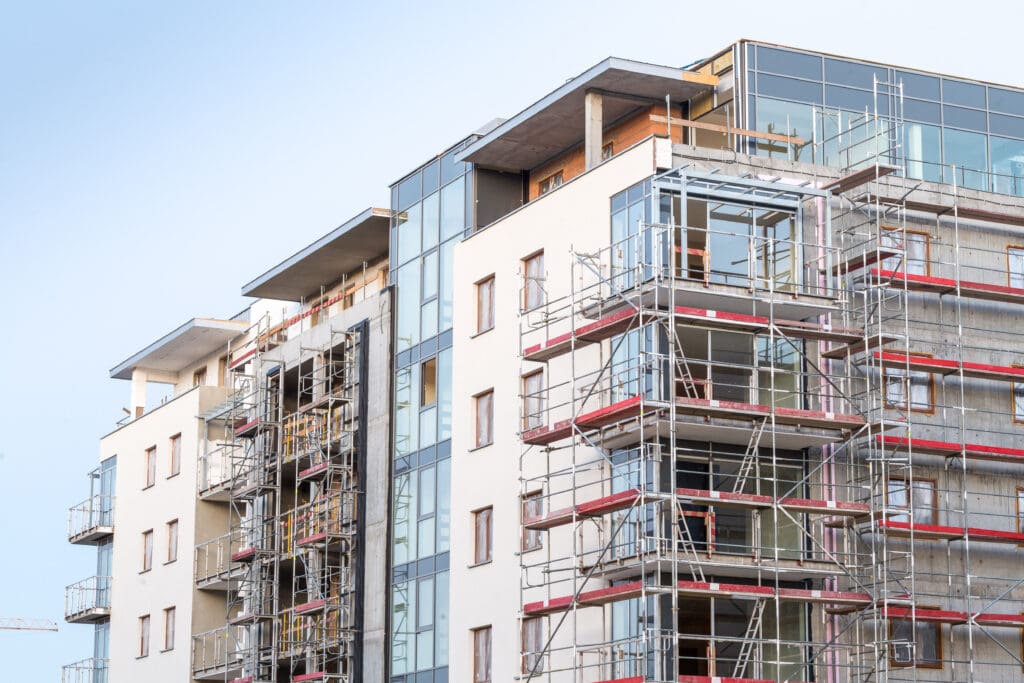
<point x="431" y="175"/>
<point x="1009" y="101"/>
<point x="408" y="191"/>
<point x="916" y="110"/>
<point x="851" y="73"/>
<point x="958" y="117"/>
<point x="789" y="88"/>
<point x="918" y="85"/>
<point x="790" y="63"/>
<point x="751" y="61"/>
<point x="848" y="98"/>
<point x="1006" y="125"/>
<point x="635" y="193"/>
<point x="959" y="92"/>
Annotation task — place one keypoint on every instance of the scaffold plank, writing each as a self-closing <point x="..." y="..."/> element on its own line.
<point x="864" y="259"/>
<point x="788" y="416"/>
<point x="945" y="366"/>
<point x="941" y="285"/>
<point x="949" y="533"/>
<point x="621" y="321"/>
<point x="860" y="177"/>
<point x="625" y="499"/>
<point x="966" y="212"/>
<point x="971" y="451"/>
<point x="872" y="342"/>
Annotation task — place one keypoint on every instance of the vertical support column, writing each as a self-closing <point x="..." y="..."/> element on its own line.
<point x="593" y="128"/>
<point x="138" y="395"/>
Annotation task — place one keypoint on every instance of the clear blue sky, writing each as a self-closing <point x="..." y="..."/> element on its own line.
<point x="156" y="156"/>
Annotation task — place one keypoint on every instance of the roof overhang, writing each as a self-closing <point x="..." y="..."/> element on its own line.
<point x="186" y="345"/>
<point x="363" y="238"/>
<point x="556" y="122"/>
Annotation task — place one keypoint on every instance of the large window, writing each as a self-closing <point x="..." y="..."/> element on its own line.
<point x="482" y="655"/>
<point x="169" y="616"/>
<point x="484" y="410"/>
<point x="534" y="294"/>
<point x="175" y="455"/>
<point x="485" y="304"/>
<point x="917" y="497"/>
<point x="919" y="386"/>
<point x="533" y="400"/>
<point x="1017" y="397"/>
<point x="144" y="635"/>
<point x="482" y="535"/>
<point x="172" y="541"/>
<point x="533" y="643"/>
<point x="916" y="644"/>
<point x="150" y="466"/>
<point x="533" y="506"/>
<point x="147" y="550"/>
<point x="1015" y="266"/>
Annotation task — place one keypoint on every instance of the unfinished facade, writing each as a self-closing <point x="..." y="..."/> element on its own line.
<point x="679" y="375"/>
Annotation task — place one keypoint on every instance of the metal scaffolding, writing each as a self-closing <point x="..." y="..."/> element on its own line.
<point x="729" y="454"/>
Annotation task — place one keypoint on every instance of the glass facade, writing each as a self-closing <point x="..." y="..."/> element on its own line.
<point x="948" y="122"/>
<point x="432" y="210"/>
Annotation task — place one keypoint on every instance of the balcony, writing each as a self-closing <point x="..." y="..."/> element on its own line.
<point x="217" y="654"/>
<point x="215" y="472"/>
<point x="91" y="521"/>
<point x="88" y="601"/>
<point x="214" y="569"/>
<point x="90" y="670"/>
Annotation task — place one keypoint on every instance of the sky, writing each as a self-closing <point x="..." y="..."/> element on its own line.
<point x="156" y="156"/>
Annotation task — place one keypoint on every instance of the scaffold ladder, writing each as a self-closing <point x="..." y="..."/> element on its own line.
<point x="749" y="457"/>
<point x="749" y="642"/>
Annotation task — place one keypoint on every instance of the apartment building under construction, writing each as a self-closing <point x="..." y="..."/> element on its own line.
<point x="680" y="374"/>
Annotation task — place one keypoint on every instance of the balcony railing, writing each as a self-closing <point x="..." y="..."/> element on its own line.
<point x="215" y="470"/>
<point x="213" y="565"/>
<point x="91" y="520"/>
<point x="90" y="670"/>
<point x="218" y="652"/>
<point x="87" y="601"/>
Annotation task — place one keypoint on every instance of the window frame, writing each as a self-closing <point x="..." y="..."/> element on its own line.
<point x="527" y="543"/>
<point x="551" y="182"/>
<point x="529" y="420"/>
<point x="150" y="467"/>
<point x="908" y="488"/>
<point x="1009" y="271"/>
<point x="607" y="150"/>
<point x="485" y="514"/>
<point x="1017" y="418"/>
<point x="144" y="628"/>
<point x="488" y="395"/>
<point x="938" y="664"/>
<point x="908" y="396"/>
<point x="173" y="527"/>
<point x="170" y="627"/>
<point x="175" y="448"/>
<point x="927" y="248"/>
<point x="539" y="281"/>
<point x="147" y="550"/>
<point x="478" y="633"/>
<point x="488" y="283"/>
<point x="528" y="661"/>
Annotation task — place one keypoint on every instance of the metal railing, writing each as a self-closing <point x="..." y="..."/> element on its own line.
<point x="87" y="595"/>
<point x="90" y="670"/>
<point x="217" y="650"/>
<point x="215" y="467"/>
<point x="90" y="515"/>
<point x="213" y="557"/>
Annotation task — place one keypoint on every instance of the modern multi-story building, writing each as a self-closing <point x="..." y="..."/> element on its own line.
<point x="679" y="374"/>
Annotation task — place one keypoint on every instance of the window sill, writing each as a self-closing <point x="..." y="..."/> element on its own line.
<point x="148" y="486"/>
<point x="480" y="447"/>
<point x="527" y="551"/>
<point x="480" y="333"/>
<point x="141" y="656"/>
<point x="479" y="564"/>
<point x="170" y="649"/>
<point x="170" y="562"/>
<point x="145" y="571"/>
<point x="171" y="476"/>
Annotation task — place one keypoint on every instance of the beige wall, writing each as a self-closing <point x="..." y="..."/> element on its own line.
<point x="135" y="593"/>
<point x="577" y="214"/>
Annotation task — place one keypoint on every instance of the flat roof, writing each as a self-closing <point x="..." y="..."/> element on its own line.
<point x="556" y="122"/>
<point x="361" y="238"/>
<point x="181" y="348"/>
